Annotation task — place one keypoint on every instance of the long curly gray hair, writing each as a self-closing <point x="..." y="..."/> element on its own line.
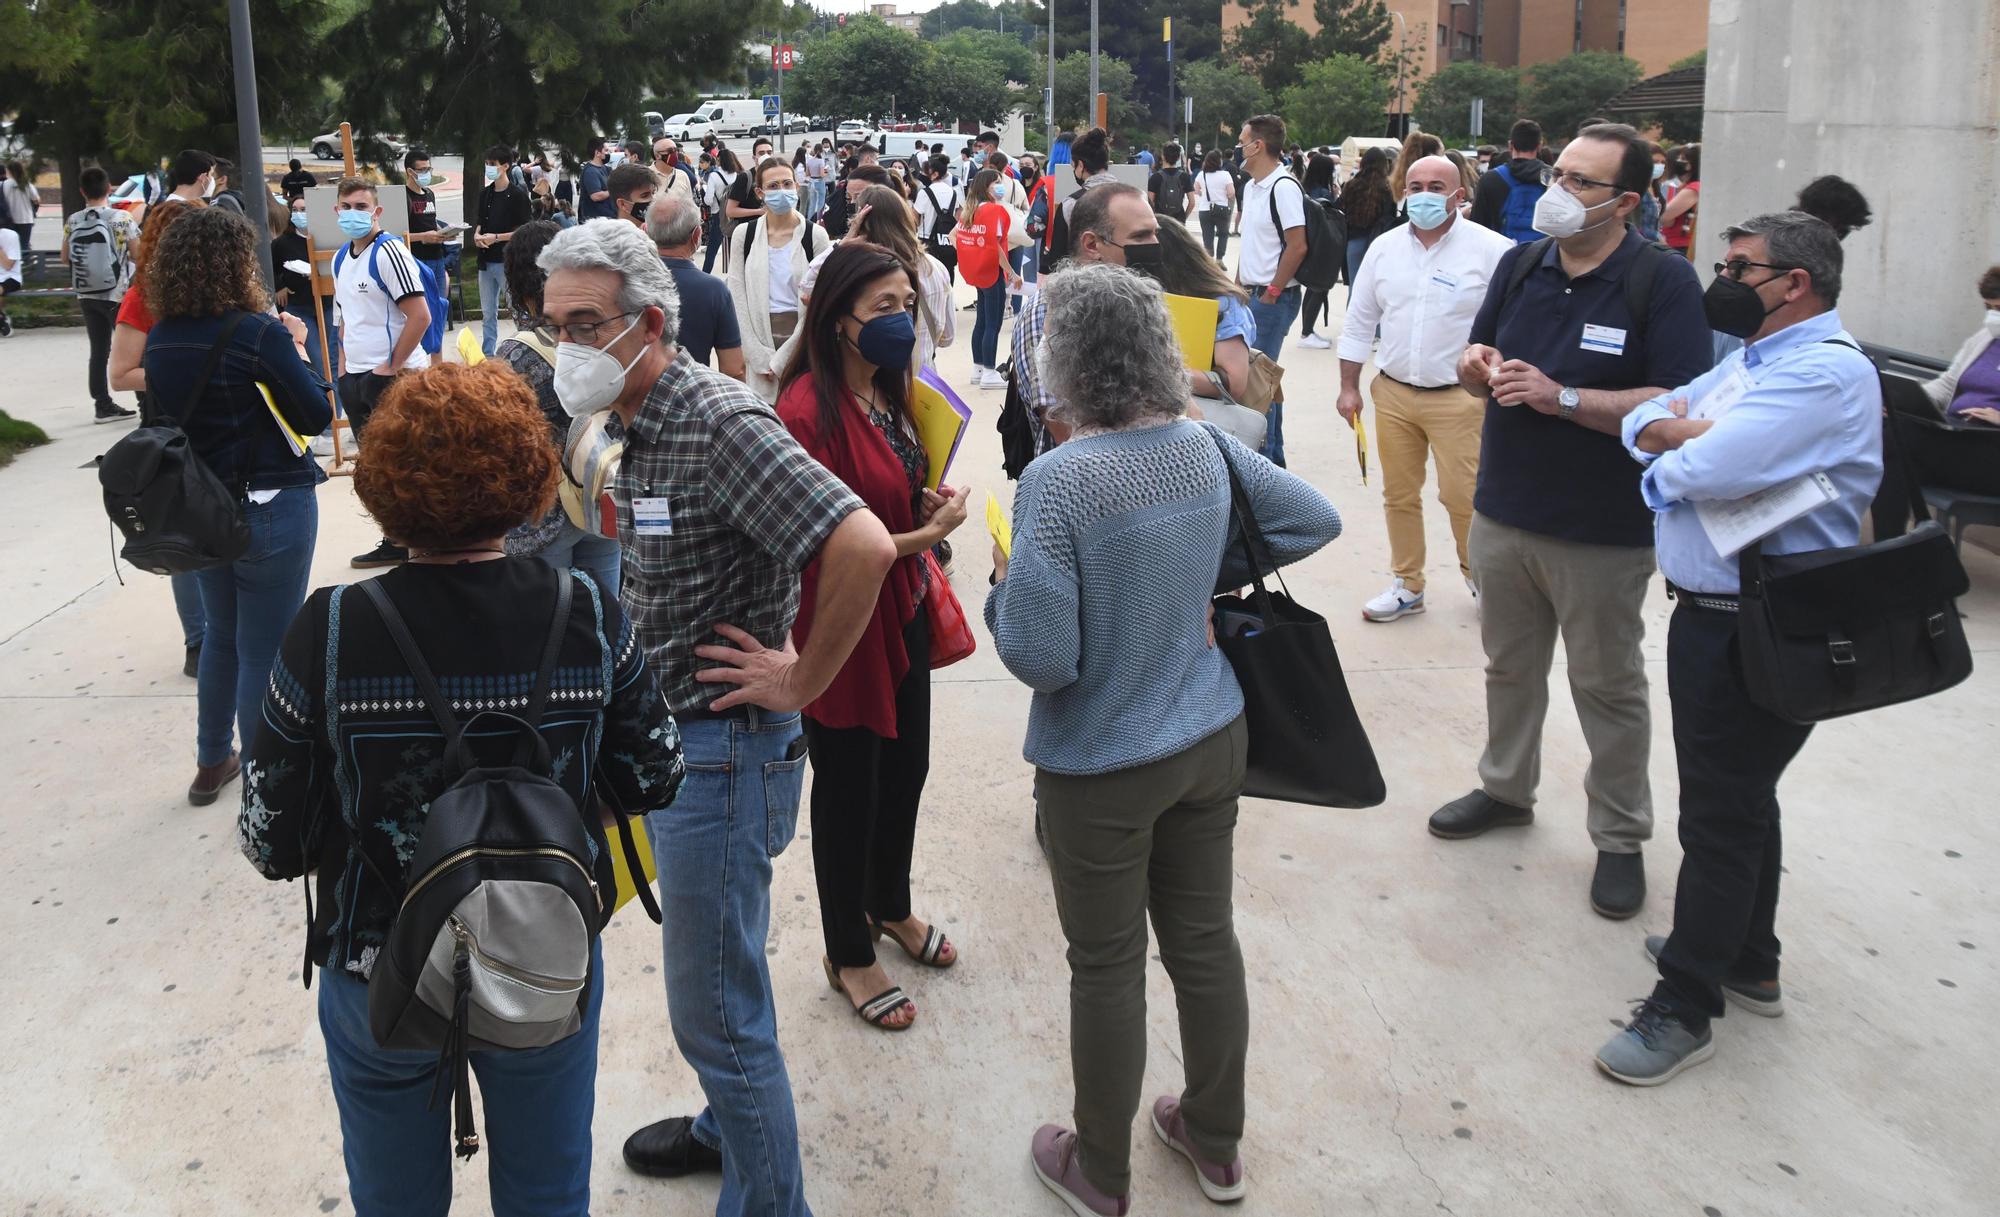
<point x="1109" y="356"/>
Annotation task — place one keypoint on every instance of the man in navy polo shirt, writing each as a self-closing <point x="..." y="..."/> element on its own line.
<point x="1597" y="322"/>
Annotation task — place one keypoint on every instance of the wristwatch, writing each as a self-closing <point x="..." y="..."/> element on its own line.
<point x="1567" y="402"/>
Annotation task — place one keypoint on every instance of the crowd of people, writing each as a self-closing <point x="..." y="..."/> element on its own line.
<point x="684" y="520"/>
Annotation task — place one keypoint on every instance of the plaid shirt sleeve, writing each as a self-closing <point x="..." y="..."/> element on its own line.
<point x="762" y="482"/>
<point x="1035" y="396"/>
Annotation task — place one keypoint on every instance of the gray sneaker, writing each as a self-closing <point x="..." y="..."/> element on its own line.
<point x="1653" y="1047"/>
<point x="1765" y="1001"/>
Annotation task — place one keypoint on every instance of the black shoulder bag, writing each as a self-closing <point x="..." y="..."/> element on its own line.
<point x="1307" y="744"/>
<point x="1832" y="632"/>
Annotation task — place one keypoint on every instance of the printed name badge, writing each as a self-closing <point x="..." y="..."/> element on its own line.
<point x="1603" y="339"/>
<point x="652" y="517"/>
<point x="1444" y="281"/>
<point x="1721" y="399"/>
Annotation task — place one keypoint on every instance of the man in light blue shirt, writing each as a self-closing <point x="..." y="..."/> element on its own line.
<point x="1799" y="401"/>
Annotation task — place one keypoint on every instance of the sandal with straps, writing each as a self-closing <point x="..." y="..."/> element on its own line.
<point x="877" y="1009"/>
<point x="934" y="944"/>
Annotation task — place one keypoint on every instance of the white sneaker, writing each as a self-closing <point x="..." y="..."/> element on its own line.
<point x="1314" y="342"/>
<point x="1397" y="601"/>
<point x="991" y="379"/>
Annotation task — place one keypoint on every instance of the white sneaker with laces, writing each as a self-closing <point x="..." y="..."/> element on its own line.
<point x="1396" y="601"/>
<point x="1314" y="342"/>
<point x="990" y="378"/>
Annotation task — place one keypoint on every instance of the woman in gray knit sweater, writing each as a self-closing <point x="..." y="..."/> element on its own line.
<point x="1121" y="536"/>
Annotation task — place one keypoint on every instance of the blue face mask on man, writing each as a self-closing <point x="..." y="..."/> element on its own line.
<point x="492" y="174"/>
<point x="1426" y="210"/>
<point x="355" y="224"/>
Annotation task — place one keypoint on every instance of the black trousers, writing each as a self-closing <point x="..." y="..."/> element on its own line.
<point x="1215" y="231"/>
<point x="1314" y="310"/>
<point x="1731" y="754"/>
<point x="947" y="254"/>
<point x="1966" y="457"/>
<point x="99" y="316"/>
<point x="864" y="810"/>
<point x="359" y="391"/>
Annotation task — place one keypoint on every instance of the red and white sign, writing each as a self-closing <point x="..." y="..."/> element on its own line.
<point x="784" y="58"/>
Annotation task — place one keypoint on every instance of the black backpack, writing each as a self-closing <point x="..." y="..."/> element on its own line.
<point x="749" y="228"/>
<point x="1326" y="249"/>
<point x="176" y="515"/>
<point x="500" y="903"/>
<point x="1170" y="191"/>
<point x="943" y="220"/>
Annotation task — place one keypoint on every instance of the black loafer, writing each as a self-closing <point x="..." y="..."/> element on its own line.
<point x="1474" y="813"/>
<point x="668" y="1150"/>
<point x="1618" y="890"/>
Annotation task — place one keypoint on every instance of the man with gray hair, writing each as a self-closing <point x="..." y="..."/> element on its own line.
<point x="719" y="509"/>
<point x="1799" y="405"/>
<point x="708" y="330"/>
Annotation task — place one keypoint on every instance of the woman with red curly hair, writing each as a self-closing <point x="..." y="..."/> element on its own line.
<point x="342" y="775"/>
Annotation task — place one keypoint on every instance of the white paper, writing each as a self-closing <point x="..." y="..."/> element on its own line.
<point x="1732" y="525"/>
<point x="299" y="267"/>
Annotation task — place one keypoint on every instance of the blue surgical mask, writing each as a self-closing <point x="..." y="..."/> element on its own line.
<point x="424" y="178"/>
<point x="1659" y="171"/>
<point x="299" y="220"/>
<point x="781" y="201"/>
<point x="492" y="174"/>
<point x="1426" y="210"/>
<point x="999" y="191"/>
<point x="356" y="224"/>
<point x="887" y="341"/>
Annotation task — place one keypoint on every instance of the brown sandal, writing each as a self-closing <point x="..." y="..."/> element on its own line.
<point x="877" y="1009"/>
<point x="934" y="944"/>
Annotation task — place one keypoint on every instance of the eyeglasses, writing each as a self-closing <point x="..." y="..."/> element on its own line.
<point x="1735" y="268"/>
<point x="1575" y="183"/>
<point x="584" y="332"/>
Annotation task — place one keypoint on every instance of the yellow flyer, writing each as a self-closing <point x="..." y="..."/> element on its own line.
<point x="996" y="524"/>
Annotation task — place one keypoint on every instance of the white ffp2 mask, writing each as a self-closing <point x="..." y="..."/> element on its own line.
<point x="589" y="379"/>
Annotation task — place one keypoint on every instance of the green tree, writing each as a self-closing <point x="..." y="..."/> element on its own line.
<point x="1679" y="126"/>
<point x="962" y="86"/>
<point x="1008" y="56"/>
<point x="1352" y="27"/>
<point x="1564" y="92"/>
<point x="1336" y="97"/>
<point x="1073" y="101"/>
<point x="1224" y="95"/>
<point x="866" y="68"/>
<point x="1444" y="103"/>
<point x="462" y="74"/>
<point x="1271" y="44"/>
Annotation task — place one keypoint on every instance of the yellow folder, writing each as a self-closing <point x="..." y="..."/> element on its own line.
<point x="623" y="873"/>
<point x="293" y="440"/>
<point x="469" y="348"/>
<point x="1194" y="327"/>
<point x="941" y="419"/>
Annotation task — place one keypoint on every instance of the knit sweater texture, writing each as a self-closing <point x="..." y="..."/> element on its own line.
<point x="1120" y="540"/>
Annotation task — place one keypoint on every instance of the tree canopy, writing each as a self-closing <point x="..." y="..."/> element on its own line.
<point x="1073" y="102"/>
<point x="1564" y="92"/>
<point x="1224" y="95"/>
<point x="1352" y="27"/>
<point x="1444" y="103"/>
<point x="1336" y="97"/>
<point x="1271" y="44"/>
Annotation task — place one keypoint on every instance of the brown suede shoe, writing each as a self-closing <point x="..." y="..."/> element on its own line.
<point x="210" y="779"/>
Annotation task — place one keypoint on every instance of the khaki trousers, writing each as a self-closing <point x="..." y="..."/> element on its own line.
<point x="1530" y="587"/>
<point x="1155" y="838"/>
<point x="1411" y="424"/>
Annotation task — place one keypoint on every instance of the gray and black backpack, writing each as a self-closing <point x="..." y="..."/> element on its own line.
<point x="501" y="904"/>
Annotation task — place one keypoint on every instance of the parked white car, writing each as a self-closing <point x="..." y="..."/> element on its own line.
<point x="685" y="127"/>
<point x="327" y="147"/>
<point x="852" y="131"/>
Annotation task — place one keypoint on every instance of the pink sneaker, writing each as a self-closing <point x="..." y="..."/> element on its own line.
<point x="1054" y="1156"/>
<point x="1222" y="1184"/>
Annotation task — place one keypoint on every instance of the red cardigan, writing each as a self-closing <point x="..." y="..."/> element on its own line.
<point x="863" y="693"/>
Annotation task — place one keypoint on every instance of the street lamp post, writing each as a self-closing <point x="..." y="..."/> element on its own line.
<point x="1090" y="105"/>
<point x="1402" y="54"/>
<point x="250" y="135"/>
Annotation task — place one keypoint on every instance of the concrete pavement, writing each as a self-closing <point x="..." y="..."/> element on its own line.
<point x="1425" y="1011"/>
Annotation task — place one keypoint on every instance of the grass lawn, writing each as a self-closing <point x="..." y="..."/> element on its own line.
<point x="17" y="436"/>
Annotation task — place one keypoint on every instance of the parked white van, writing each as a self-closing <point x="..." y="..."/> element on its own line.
<point x="731" y="115"/>
<point x="898" y="145"/>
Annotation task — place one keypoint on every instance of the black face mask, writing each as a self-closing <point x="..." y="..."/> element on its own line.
<point x="639" y="207"/>
<point x="1144" y="259"/>
<point x="1734" y="307"/>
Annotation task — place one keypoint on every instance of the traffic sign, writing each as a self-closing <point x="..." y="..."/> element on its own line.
<point x="770" y="105"/>
<point x="784" y="58"/>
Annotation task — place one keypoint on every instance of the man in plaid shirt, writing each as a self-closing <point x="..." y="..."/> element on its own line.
<point x="719" y="509"/>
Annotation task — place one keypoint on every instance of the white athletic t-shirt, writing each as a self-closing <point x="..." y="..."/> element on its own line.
<point x="370" y="322"/>
<point x="10" y="246"/>
<point x="1257" y="256"/>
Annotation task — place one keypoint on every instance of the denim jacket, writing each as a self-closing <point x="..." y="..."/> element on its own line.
<point x="231" y="428"/>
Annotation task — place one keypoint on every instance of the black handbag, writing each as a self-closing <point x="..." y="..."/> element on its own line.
<point x="1307" y="744"/>
<point x="1832" y="632"/>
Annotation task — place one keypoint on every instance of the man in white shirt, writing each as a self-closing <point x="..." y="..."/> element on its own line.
<point x="378" y="292"/>
<point x="1269" y="254"/>
<point x="1421" y="284"/>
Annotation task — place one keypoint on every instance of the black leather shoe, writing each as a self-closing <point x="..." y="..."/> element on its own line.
<point x="1474" y="813"/>
<point x="668" y="1150"/>
<point x="1619" y="888"/>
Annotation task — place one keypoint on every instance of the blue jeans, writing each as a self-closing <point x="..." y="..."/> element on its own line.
<point x="247" y="606"/>
<point x="1357" y="249"/>
<point x="492" y="290"/>
<point x="986" y="323"/>
<point x="535" y="1127"/>
<point x="1273" y="320"/>
<point x="736" y="811"/>
<point x="187" y="602"/>
<point x="597" y="557"/>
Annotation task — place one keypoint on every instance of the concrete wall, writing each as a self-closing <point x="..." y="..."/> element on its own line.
<point x="1900" y="99"/>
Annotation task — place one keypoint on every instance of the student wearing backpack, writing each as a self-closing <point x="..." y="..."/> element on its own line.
<point x="459" y="456"/>
<point x="1274" y="244"/>
<point x="1507" y="194"/>
<point x="937" y="204"/>
<point x="773" y="244"/>
<point x="1171" y="188"/>
<point x="215" y="349"/>
<point x="1215" y="188"/>
<point x="1574" y="332"/>
<point x="97" y="245"/>
<point x="378" y="288"/>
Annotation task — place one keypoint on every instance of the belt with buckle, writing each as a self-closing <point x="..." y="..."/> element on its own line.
<point x="1713" y="602"/>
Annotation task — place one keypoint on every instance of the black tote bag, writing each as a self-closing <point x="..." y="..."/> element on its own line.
<point x="1307" y="744"/>
<point x="1832" y="632"/>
